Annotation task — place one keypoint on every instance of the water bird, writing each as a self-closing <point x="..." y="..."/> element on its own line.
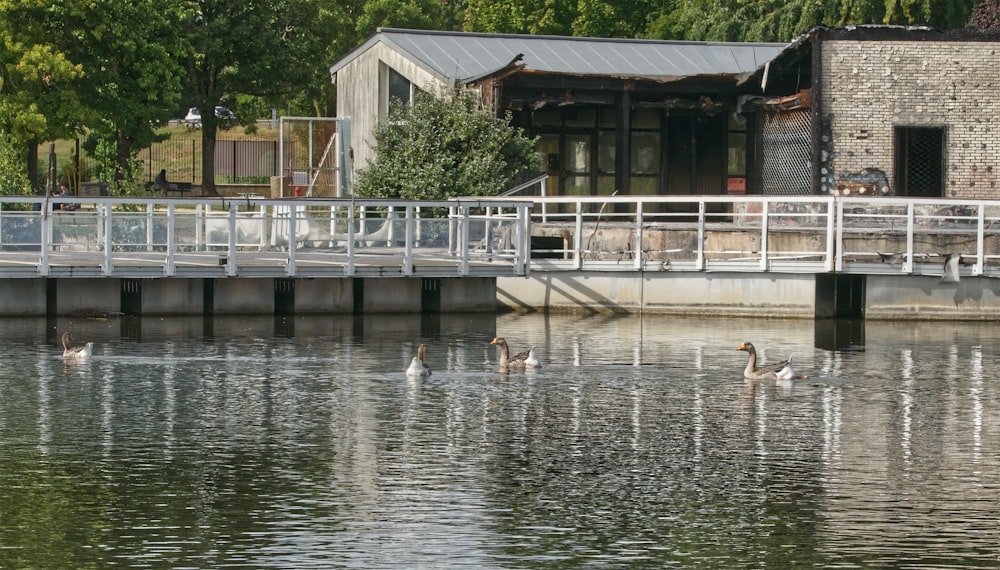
<point x="417" y="365"/>
<point x="777" y="371"/>
<point x="519" y="362"/>
<point x="80" y="351"/>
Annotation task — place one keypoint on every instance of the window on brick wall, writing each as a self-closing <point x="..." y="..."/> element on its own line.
<point x="920" y="161"/>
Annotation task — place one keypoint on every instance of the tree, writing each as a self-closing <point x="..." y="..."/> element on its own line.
<point x="39" y="84"/>
<point x="445" y="145"/>
<point x="133" y="77"/>
<point x="267" y="48"/>
<point x="986" y="16"/>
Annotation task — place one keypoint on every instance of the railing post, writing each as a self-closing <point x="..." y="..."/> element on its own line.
<point x="231" y="261"/>
<point x="149" y="226"/>
<point x="524" y="240"/>
<point x="463" y="268"/>
<point x="839" y="261"/>
<point x="980" y="239"/>
<point x="45" y="222"/>
<point x="699" y="262"/>
<point x="828" y="263"/>
<point x="637" y="261"/>
<point x="764" y="207"/>
<point x="293" y="215"/>
<point x="408" y="247"/>
<point x="170" y="268"/>
<point x="349" y="270"/>
<point x="108" y="239"/>
<point x="578" y="238"/>
<point x="908" y="262"/>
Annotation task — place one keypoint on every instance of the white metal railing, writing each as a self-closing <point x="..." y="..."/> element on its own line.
<point x="498" y="236"/>
<point x="765" y="233"/>
<point x="251" y="236"/>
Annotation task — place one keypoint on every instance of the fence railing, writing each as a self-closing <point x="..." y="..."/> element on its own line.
<point x="501" y="235"/>
<point x="254" y="237"/>
<point x="756" y="233"/>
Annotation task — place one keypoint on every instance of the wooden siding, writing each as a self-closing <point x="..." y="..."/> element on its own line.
<point x="360" y="85"/>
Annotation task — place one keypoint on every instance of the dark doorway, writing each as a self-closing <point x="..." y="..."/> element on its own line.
<point x="920" y="162"/>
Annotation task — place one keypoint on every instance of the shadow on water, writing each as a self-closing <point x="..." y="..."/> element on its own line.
<point x="840" y="334"/>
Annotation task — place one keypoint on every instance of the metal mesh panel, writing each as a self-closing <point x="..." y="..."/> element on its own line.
<point x="919" y="161"/>
<point x="785" y="153"/>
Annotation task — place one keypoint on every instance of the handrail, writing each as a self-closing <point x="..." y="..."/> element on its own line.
<point x="495" y="235"/>
<point x="248" y="236"/>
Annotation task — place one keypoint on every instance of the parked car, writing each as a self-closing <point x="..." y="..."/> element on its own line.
<point x="227" y="119"/>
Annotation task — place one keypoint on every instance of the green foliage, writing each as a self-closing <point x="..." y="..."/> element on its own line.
<point x="445" y="145"/>
<point x="13" y="175"/>
<point x="107" y="164"/>
<point x="986" y="16"/>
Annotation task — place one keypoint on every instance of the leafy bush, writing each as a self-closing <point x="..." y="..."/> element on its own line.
<point x="445" y="145"/>
<point x="13" y="175"/>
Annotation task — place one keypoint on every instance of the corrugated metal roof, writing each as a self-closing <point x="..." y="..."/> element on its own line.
<point x="468" y="56"/>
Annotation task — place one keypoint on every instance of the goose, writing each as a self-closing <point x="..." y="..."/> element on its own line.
<point x="82" y="351"/>
<point x="417" y="365"/>
<point x="777" y="371"/>
<point x="517" y="363"/>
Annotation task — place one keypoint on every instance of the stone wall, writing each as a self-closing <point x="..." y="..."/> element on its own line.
<point x="870" y="87"/>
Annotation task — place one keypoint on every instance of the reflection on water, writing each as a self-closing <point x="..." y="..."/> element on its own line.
<point x="298" y="442"/>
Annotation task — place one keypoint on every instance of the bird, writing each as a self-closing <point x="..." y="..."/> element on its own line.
<point x="81" y="351"/>
<point x="517" y="363"/>
<point x="949" y="273"/>
<point x="417" y="366"/>
<point x="892" y="257"/>
<point x="777" y="371"/>
<point x="532" y="360"/>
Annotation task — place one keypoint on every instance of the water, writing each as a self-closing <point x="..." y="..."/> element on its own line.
<point x="299" y="443"/>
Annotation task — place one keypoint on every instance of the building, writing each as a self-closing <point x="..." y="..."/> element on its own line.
<point x="633" y="116"/>
<point x="876" y="110"/>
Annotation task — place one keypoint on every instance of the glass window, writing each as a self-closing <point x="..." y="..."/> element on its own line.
<point x="400" y="87"/>
<point x="577" y="153"/>
<point x="647" y="119"/>
<point x="606" y="152"/>
<point x="646" y="153"/>
<point x="584" y="118"/>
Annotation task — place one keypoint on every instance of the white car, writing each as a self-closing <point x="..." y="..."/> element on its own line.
<point x="193" y="118"/>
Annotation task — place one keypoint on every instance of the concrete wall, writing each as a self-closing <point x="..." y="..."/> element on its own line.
<point x="22" y="297"/>
<point x="926" y="297"/>
<point x="870" y="87"/>
<point x="726" y="294"/>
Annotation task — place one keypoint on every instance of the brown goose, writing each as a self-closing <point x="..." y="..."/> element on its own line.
<point x="517" y="363"/>
<point x="777" y="371"/>
<point x="82" y="351"/>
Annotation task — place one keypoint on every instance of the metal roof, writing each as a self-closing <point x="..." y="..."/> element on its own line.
<point x="469" y="56"/>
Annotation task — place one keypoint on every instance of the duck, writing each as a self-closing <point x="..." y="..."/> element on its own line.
<point x="82" y="351"/>
<point x="417" y="366"/>
<point x="520" y="362"/>
<point x="777" y="371"/>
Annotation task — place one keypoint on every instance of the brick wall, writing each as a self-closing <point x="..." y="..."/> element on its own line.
<point x="871" y="87"/>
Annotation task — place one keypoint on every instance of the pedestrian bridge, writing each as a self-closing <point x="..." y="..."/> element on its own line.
<point x="254" y="237"/>
<point x="473" y="242"/>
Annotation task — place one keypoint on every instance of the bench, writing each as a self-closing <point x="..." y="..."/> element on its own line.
<point x="179" y="188"/>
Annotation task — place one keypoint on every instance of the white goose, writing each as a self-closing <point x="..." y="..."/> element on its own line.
<point x="81" y="351"/>
<point x="417" y="366"/>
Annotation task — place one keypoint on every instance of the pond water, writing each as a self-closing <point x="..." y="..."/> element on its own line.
<point x="298" y="442"/>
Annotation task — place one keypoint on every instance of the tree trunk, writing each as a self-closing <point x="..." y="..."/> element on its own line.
<point x="32" y="159"/>
<point x="209" y="128"/>
<point x="123" y="151"/>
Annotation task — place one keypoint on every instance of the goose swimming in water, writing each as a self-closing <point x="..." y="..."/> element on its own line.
<point x="417" y="366"/>
<point x="777" y="371"/>
<point x="82" y="351"/>
<point x="519" y="362"/>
